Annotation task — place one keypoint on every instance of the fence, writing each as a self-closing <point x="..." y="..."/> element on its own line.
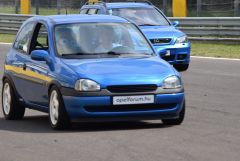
<point x="196" y="8"/>
<point x="197" y="28"/>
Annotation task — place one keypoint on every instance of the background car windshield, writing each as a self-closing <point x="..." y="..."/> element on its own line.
<point x="142" y="16"/>
<point x="100" y="38"/>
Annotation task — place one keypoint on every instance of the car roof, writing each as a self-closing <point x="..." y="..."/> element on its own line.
<point x="128" y="5"/>
<point x="63" y="19"/>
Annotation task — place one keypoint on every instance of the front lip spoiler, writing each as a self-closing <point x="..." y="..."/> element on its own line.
<point x="125" y="118"/>
<point x="104" y="92"/>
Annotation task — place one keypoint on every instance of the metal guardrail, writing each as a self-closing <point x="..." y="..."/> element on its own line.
<point x="10" y="23"/>
<point x="210" y="28"/>
<point x="197" y="28"/>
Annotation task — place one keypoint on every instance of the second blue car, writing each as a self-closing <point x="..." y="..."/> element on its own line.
<point x="154" y="24"/>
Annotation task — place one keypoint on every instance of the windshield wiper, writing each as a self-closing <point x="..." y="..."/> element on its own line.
<point x="72" y="54"/>
<point x="147" y="24"/>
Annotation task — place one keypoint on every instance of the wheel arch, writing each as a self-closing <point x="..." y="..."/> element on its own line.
<point x="8" y="77"/>
<point x="53" y="83"/>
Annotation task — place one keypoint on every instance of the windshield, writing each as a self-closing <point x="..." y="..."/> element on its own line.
<point x="109" y="39"/>
<point x="142" y="16"/>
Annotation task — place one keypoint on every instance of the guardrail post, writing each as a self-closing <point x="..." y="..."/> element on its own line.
<point x="59" y="7"/>
<point x="199" y="8"/>
<point x="16" y="6"/>
<point x="37" y="6"/>
<point x="165" y="7"/>
<point x="236" y="8"/>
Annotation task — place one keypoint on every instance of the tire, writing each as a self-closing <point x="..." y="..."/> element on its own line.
<point x="58" y="116"/>
<point x="178" y="120"/>
<point x="12" y="109"/>
<point x="181" y="67"/>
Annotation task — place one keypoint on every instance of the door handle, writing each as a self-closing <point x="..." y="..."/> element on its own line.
<point x="24" y="66"/>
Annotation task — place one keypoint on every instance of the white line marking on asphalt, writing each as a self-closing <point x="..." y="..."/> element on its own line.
<point x="200" y="57"/>
<point x="3" y="43"/>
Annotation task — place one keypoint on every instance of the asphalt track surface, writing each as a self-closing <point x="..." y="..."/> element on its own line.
<point x="210" y="132"/>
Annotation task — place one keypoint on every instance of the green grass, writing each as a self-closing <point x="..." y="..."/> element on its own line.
<point x="7" y="38"/>
<point x="215" y="50"/>
<point x="198" y="48"/>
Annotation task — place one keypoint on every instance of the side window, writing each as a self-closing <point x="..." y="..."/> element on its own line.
<point x="40" y="38"/>
<point x="92" y="11"/>
<point x="23" y="40"/>
<point x="83" y="11"/>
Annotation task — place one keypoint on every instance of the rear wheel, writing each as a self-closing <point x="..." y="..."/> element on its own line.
<point x="12" y="110"/>
<point x="178" y="120"/>
<point x="58" y="117"/>
<point x="181" y="67"/>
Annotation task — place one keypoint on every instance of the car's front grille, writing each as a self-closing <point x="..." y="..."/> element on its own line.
<point x="129" y="108"/>
<point x="161" y="41"/>
<point x="168" y="58"/>
<point x="132" y="88"/>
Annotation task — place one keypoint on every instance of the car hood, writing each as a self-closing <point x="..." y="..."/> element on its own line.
<point x="152" y="32"/>
<point x="122" y="71"/>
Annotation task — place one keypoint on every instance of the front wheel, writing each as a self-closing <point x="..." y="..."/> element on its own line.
<point x="58" y="116"/>
<point x="181" y="67"/>
<point x="12" y="110"/>
<point x="178" y="120"/>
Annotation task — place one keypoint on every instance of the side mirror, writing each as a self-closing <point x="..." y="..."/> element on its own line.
<point x="175" y="23"/>
<point x="40" y="55"/>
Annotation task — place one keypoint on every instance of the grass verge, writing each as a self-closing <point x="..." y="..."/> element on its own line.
<point x="7" y="38"/>
<point x="215" y="50"/>
<point x="198" y="48"/>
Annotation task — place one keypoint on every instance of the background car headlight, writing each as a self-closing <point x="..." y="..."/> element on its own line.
<point x="87" y="85"/>
<point x="172" y="82"/>
<point x="182" y="39"/>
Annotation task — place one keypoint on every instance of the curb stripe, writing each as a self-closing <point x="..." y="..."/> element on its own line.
<point x="214" y="58"/>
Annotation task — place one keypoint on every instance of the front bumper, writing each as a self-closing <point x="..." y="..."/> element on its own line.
<point x="179" y="53"/>
<point x="93" y="108"/>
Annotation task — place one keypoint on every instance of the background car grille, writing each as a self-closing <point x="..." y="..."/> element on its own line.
<point x="168" y="58"/>
<point x="161" y="41"/>
<point x="132" y="88"/>
<point x="129" y="108"/>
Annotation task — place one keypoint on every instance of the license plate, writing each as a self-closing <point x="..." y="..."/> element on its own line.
<point x="129" y="100"/>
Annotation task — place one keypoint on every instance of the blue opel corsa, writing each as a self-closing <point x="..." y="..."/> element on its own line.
<point x="154" y="24"/>
<point x="89" y="68"/>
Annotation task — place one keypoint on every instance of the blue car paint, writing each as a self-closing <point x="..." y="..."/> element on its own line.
<point x="153" y="32"/>
<point x="33" y="84"/>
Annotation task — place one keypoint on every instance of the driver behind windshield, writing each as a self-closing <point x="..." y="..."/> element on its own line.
<point x="106" y="39"/>
<point x="66" y="42"/>
<point x="90" y="39"/>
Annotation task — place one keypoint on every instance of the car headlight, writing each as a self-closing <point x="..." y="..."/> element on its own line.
<point x="87" y="85"/>
<point x="172" y="82"/>
<point x="182" y="39"/>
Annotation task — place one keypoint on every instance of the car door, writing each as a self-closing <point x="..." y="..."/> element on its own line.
<point x="38" y="70"/>
<point x="31" y="78"/>
<point x="18" y="61"/>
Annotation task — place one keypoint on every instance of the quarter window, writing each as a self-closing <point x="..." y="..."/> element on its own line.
<point x="24" y="38"/>
<point x="84" y="11"/>
<point x="92" y="11"/>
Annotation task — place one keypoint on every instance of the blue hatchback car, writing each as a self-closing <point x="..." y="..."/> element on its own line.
<point x="68" y="67"/>
<point x="154" y="24"/>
